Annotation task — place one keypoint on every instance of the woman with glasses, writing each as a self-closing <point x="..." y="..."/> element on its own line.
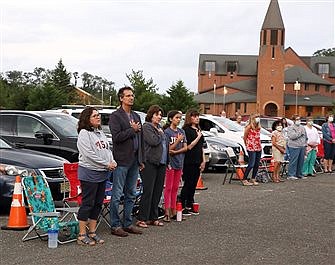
<point x="95" y="161"/>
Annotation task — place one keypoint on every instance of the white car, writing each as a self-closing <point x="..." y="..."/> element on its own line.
<point x="104" y="112"/>
<point x="230" y="130"/>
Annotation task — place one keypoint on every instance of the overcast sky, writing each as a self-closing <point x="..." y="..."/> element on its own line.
<point x="162" y="38"/>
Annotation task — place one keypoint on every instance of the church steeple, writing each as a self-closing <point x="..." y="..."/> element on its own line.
<point x="273" y="30"/>
<point x="271" y="62"/>
<point x="273" y="19"/>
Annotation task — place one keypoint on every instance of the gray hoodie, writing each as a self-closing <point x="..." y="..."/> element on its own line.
<point x="94" y="151"/>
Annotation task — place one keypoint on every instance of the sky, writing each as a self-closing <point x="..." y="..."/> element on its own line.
<point x="161" y="38"/>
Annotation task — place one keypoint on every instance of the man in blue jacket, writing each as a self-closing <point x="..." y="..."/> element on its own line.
<point x="126" y="128"/>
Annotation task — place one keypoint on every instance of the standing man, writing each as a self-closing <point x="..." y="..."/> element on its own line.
<point x="126" y="128"/>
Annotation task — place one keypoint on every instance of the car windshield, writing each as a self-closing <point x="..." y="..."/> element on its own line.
<point x="233" y="126"/>
<point x="229" y="124"/>
<point x="64" y="123"/>
<point x="4" y="145"/>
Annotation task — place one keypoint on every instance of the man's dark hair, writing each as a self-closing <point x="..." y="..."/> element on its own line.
<point x="121" y="90"/>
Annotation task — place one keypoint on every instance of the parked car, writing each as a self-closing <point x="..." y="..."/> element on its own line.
<point x="18" y="160"/>
<point x="318" y="121"/>
<point x="217" y="157"/>
<point x="230" y="130"/>
<point x="49" y="132"/>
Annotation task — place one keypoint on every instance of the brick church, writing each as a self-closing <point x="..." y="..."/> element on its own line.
<point x="276" y="82"/>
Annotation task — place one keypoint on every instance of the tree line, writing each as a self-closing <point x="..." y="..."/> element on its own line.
<point x="44" y="89"/>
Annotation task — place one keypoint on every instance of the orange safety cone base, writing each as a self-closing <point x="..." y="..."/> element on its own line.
<point x="239" y="173"/>
<point x="17" y="216"/>
<point x="200" y="184"/>
<point x="16" y="222"/>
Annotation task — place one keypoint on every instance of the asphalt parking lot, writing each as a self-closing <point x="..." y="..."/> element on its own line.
<point x="286" y="223"/>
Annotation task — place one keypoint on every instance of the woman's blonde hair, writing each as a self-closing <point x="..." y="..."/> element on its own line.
<point x="252" y="123"/>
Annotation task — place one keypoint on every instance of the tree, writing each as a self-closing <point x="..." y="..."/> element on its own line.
<point x="145" y="91"/>
<point x="325" y="52"/>
<point x="179" y="98"/>
<point x="46" y="97"/>
<point x="60" y="79"/>
<point x="97" y="85"/>
<point x="18" y="89"/>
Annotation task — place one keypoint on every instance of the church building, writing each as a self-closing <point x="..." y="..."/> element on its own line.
<point x="276" y="82"/>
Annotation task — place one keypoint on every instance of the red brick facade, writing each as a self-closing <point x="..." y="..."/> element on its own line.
<point x="268" y="78"/>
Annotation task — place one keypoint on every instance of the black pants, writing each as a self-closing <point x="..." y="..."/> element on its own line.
<point x="93" y="195"/>
<point x="191" y="175"/>
<point x="153" y="182"/>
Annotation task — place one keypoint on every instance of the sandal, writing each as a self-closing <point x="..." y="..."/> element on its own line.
<point x="141" y="224"/>
<point x="85" y="241"/>
<point x="155" y="223"/>
<point x="167" y="219"/>
<point x="97" y="239"/>
<point x="246" y="183"/>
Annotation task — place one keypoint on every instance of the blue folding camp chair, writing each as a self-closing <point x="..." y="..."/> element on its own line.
<point x="44" y="215"/>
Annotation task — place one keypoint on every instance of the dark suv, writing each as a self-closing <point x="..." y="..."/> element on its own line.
<point x="49" y="132"/>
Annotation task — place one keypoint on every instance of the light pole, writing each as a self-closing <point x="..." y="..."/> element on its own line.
<point x="225" y="91"/>
<point x="102" y="94"/>
<point x="296" y="89"/>
<point x="214" y="87"/>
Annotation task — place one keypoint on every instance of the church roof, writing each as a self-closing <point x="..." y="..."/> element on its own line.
<point x="230" y="98"/>
<point x="247" y="64"/>
<point x="273" y="19"/>
<point x="310" y="100"/>
<point x="295" y="73"/>
<point x="249" y="86"/>
<point x="289" y="99"/>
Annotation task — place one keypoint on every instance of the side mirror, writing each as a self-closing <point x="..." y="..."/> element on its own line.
<point x="46" y="136"/>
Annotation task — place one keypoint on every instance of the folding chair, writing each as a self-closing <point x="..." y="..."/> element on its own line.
<point x="71" y="173"/>
<point x="75" y="196"/>
<point x="318" y="166"/>
<point x="44" y="215"/>
<point x="265" y="169"/>
<point x="283" y="169"/>
<point x="105" y="211"/>
<point x="233" y="165"/>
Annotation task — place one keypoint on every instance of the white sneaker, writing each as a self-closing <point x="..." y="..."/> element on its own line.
<point x="292" y="178"/>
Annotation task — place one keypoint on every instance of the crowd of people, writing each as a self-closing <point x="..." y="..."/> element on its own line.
<point x="164" y="155"/>
<point x="160" y="155"/>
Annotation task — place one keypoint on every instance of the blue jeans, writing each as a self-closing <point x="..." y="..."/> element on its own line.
<point x="253" y="163"/>
<point x="124" y="182"/>
<point x="297" y="157"/>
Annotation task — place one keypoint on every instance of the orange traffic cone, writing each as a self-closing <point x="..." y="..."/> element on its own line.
<point x="239" y="173"/>
<point x="200" y="184"/>
<point x="17" y="216"/>
<point x="241" y="158"/>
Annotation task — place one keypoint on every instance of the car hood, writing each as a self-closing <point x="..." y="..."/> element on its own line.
<point x="219" y="140"/>
<point x="30" y="159"/>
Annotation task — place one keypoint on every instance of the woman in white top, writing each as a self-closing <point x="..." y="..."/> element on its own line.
<point x="278" y="148"/>
<point x="313" y="139"/>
